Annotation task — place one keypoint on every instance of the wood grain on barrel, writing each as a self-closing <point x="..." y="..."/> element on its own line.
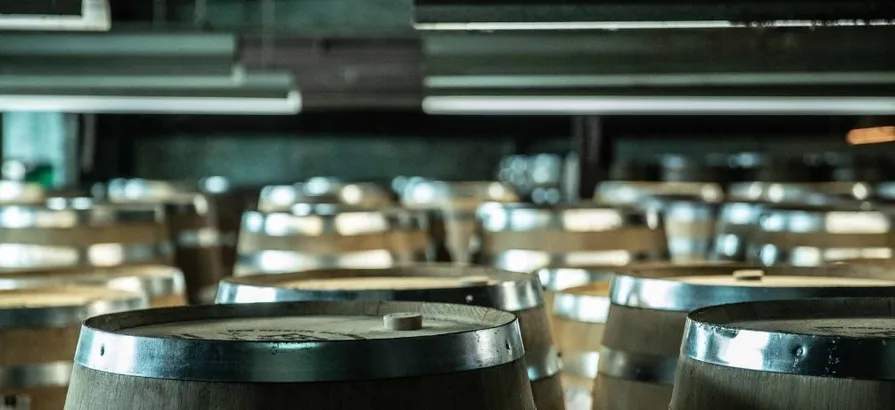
<point x="42" y="398"/>
<point x="548" y="393"/>
<point x="656" y="332"/>
<point x="704" y="386"/>
<point x="30" y="345"/>
<point x="502" y="387"/>
<point x="611" y="393"/>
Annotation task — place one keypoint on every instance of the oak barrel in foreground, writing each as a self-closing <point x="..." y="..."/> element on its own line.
<point x="823" y="354"/>
<point x="38" y="335"/>
<point x="649" y="306"/>
<point x="513" y="292"/>
<point x="315" y="355"/>
<point x="162" y="285"/>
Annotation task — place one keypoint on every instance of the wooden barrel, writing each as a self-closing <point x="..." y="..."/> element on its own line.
<point x="823" y="354"/>
<point x="192" y="223"/>
<point x="351" y="356"/>
<point x="578" y="320"/>
<point x="634" y="192"/>
<point x="649" y="305"/>
<point x="330" y="236"/>
<point x="734" y="229"/>
<point x="689" y="226"/>
<point x="162" y="285"/>
<point x="229" y="203"/>
<point x="22" y="193"/>
<point x="513" y="292"/>
<point x="81" y="232"/>
<point x="280" y="198"/>
<point x="526" y="237"/>
<point x="807" y="193"/>
<point x="554" y="280"/>
<point x="454" y="205"/>
<point x="38" y="335"/>
<point x="811" y="236"/>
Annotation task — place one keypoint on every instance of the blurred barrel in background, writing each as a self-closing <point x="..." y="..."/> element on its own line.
<point x="735" y="229"/>
<point x="578" y="319"/>
<point x="812" y="236"/>
<point x="39" y="332"/>
<point x="649" y="305"/>
<point x="331" y="236"/>
<point x="192" y="223"/>
<point x="454" y="206"/>
<point x="442" y="283"/>
<point x="81" y="232"/>
<point x="356" y="356"/>
<point x="162" y="285"/>
<point x="22" y="193"/>
<point x="277" y="198"/>
<point x="526" y="237"/>
<point x="821" y="354"/>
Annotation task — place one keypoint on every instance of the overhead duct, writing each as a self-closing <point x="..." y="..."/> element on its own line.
<point x="644" y="14"/>
<point x="737" y="71"/>
<point x="118" y="54"/>
<point x="63" y="15"/>
<point x="252" y="94"/>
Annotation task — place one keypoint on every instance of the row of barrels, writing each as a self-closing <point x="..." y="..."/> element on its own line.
<point x="803" y="224"/>
<point x="366" y="339"/>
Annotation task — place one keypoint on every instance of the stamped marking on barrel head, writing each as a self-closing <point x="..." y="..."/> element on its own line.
<point x="15" y="402"/>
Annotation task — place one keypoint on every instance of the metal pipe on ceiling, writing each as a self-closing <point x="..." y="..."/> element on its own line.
<point x="488" y="15"/>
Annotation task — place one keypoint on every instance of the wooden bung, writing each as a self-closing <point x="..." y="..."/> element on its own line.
<point x="441" y="283"/>
<point x="803" y="354"/>
<point x="352" y="361"/>
<point x="648" y="310"/>
<point x="39" y="330"/>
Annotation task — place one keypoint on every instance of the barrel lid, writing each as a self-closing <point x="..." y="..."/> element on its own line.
<point x="580" y="217"/>
<point x="554" y="279"/>
<point x="424" y="282"/>
<point x="63" y="305"/>
<point x="152" y="280"/>
<point x="685" y="287"/>
<point x="455" y="195"/>
<point x="587" y="303"/>
<point x="298" y="341"/>
<point x="837" y="337"/>
<point x="321" y="219"/>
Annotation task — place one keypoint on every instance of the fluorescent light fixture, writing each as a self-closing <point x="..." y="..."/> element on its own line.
<point x="671" y="105"/>
<point x="640" y="80"/>
<point x="67" y="15"/>
<point x="253" y="94"/>
<point x="639" y="25"/>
